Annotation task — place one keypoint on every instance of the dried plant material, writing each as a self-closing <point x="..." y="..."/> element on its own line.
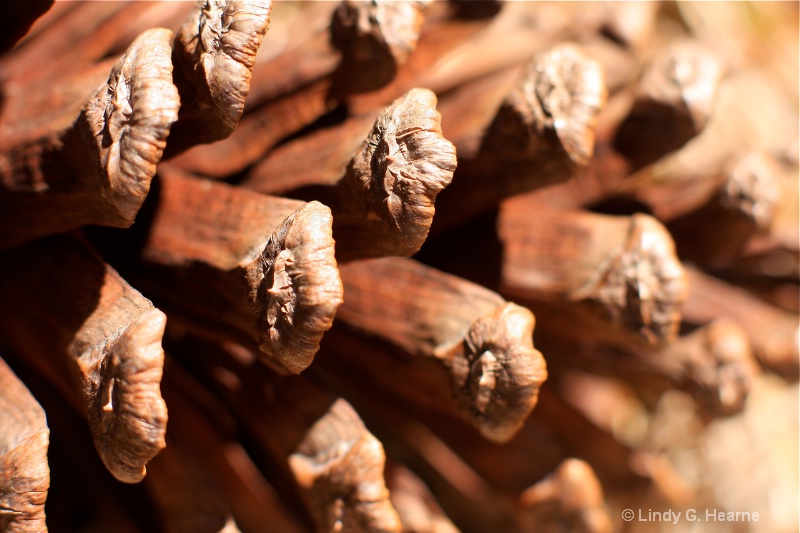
<point x="318" y="445"/>
<point x="685" y="75"/>
<point x="581" y="436"/>
<point x="289" y="89"/>
<point x="340" y="465"/>
<point x="622" y="269"/>
<point x="747" y="185"/>
<point x="554" y="432"/>
<point x="498" y="371"/>
<point x="375" y="39"/>
<point x="297" y="87"/>
<point x="769" y="263"/>
<point x="521" y="129"/>
<point x="657" y="396"/>
<point x="480" y="342"/>
<point x="347" y="157"/>
<point x="258" y="131"/>
<point x="733" y="131"/>
<point x="457" y="48"/>
<point x="402" y="420"/>
<point x="103" y="333"/>
<point x="752" y="189"/>
<point x="24" y="470"/>
<point x="561" y="93"/>
<point x="454" y="50"/>
<point x="719" y="367"/>
<point x="98" y="170"/>
<point x="303" y="290"/>
<point x="215" y="52"/>
<point x="675" y="99"/>
<point x="763" y="35"/>
<point x="383" y="199"/>
<point x="296" y="51"/>
<point x="773" y="333"/>
<point x="319" y="158"/>
<point x="741" y="207"/>
<point x="593" y="185"/>
<point x="130" y="119"/>
<point x="570" y="498"/>
<point x="714" y="364"/>
<point x="391" y="184"/>
<point x="125" y="409"/>
<point x="418" y="510"/>
<point x="468" y="109"/>
<point x="75" y="37"/>
<point x="322" y="156"/>
<point x="266" y="269"/>
<point x="381" y="188"/>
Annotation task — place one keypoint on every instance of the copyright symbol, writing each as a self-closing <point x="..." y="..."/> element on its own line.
<point x="627" y="515"/>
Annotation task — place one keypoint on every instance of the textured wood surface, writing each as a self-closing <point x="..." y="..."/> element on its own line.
<point x="332" y="226"/>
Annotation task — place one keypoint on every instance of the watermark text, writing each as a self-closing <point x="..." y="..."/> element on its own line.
<point x="688" y="515"/>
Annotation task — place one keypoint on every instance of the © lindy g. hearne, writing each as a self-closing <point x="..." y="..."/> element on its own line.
<point x="693" y="515"/>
